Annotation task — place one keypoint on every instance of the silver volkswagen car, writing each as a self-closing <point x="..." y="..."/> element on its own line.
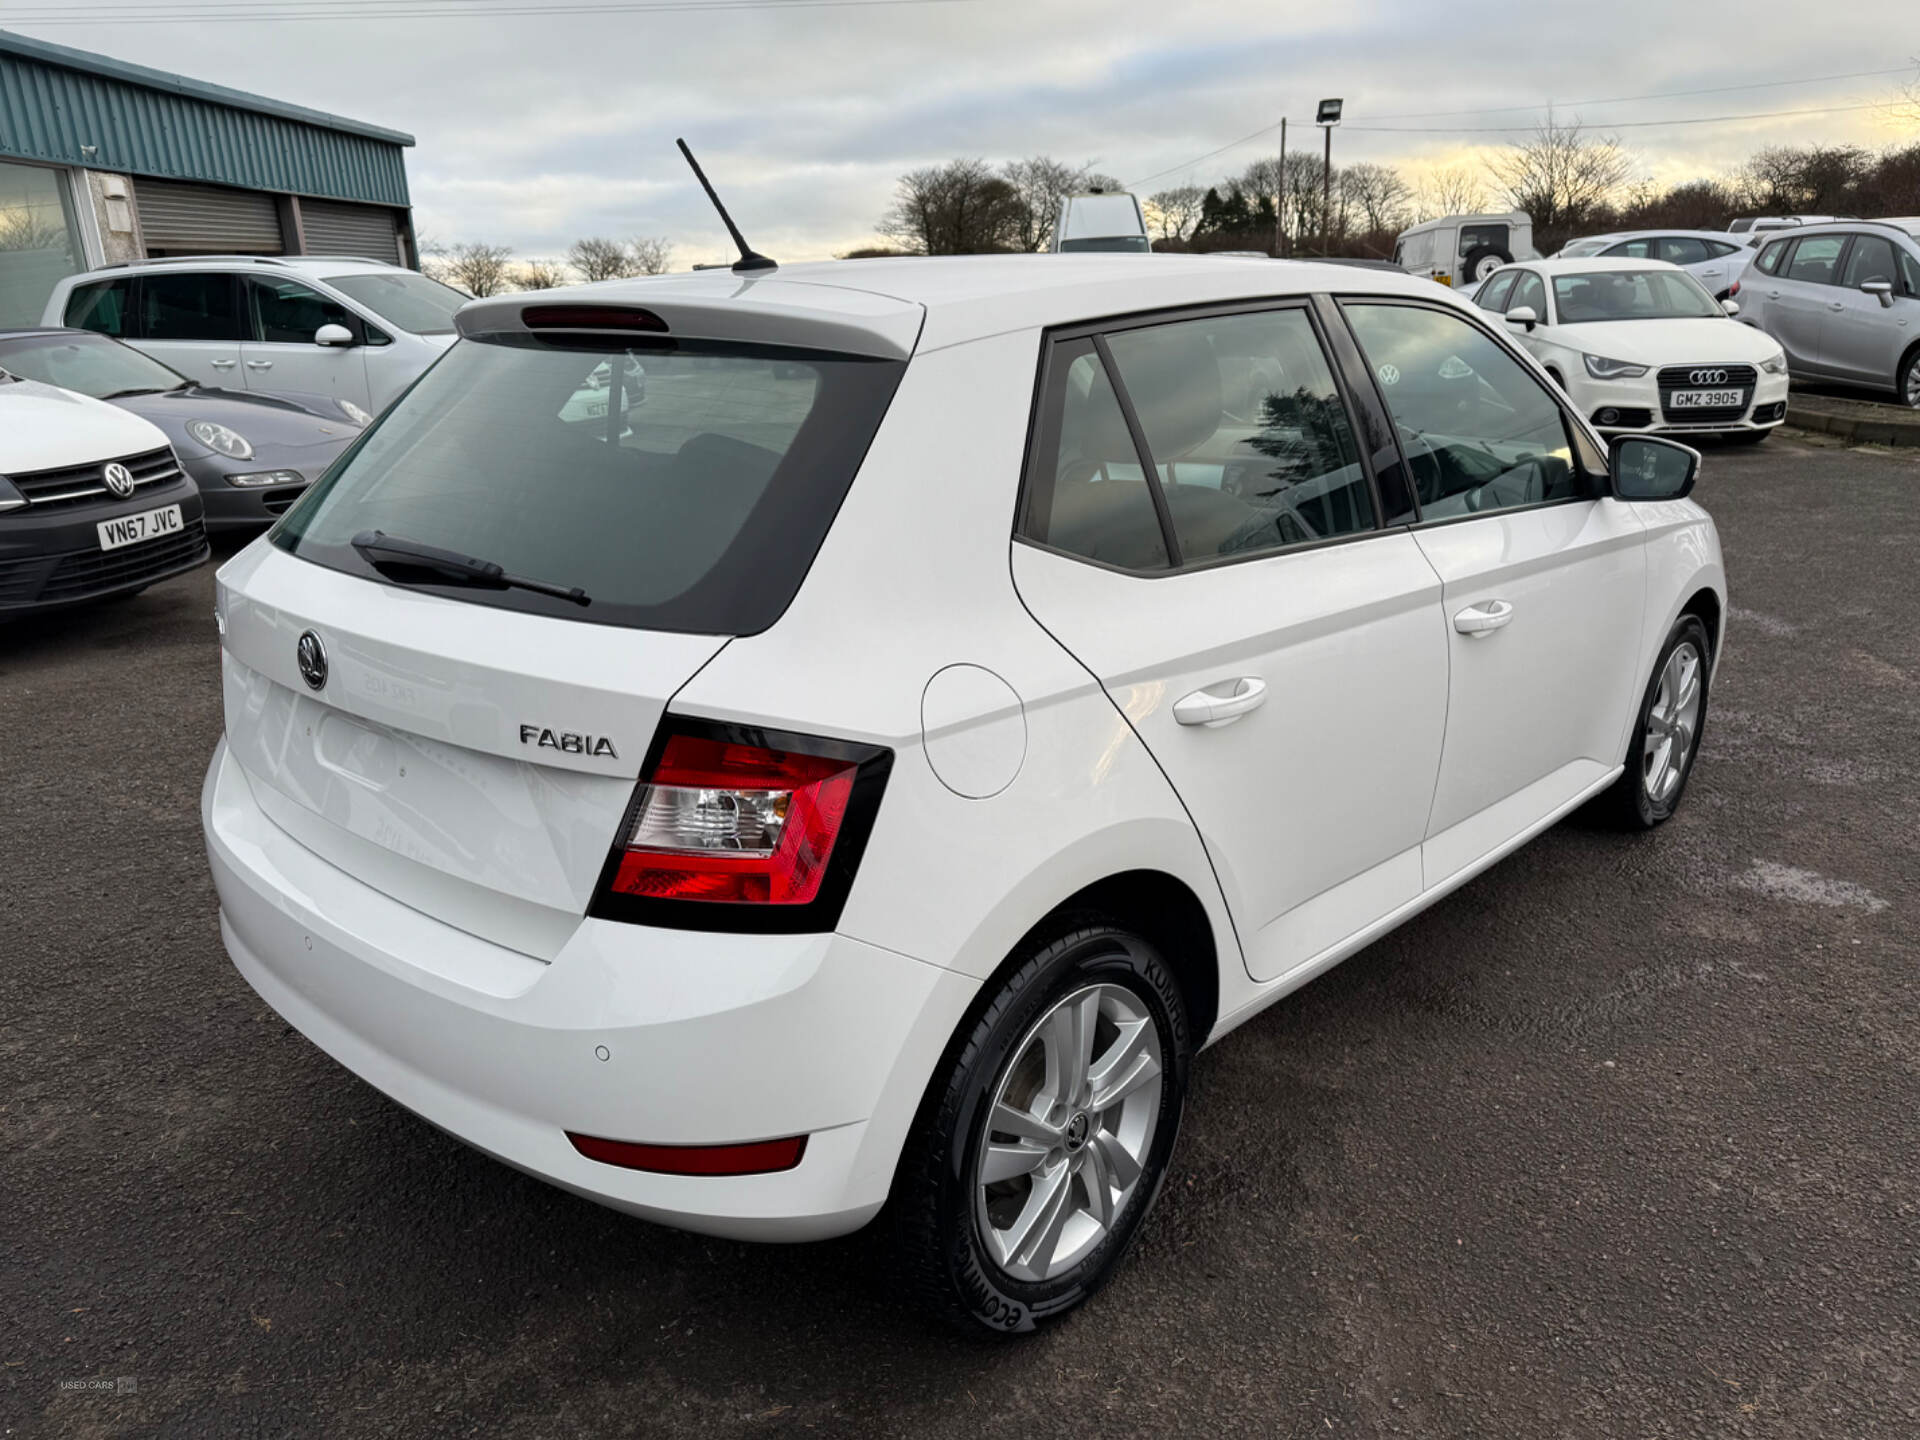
<point x="1843" y="300"/>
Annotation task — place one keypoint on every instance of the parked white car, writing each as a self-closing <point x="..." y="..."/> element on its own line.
<point x="1106" y="221"/>
<point x="1640" y="345"/>
<point x="1463" y="250"/>
<point x="1716" y="260"/>
<point x="876" y="783"/>
<point x="355" y="330"/>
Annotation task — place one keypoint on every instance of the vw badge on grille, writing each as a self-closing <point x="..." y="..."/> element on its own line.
<point x="312" y="658"/>
<point x="1707" y="377"/>
<point x="119" y="479"/>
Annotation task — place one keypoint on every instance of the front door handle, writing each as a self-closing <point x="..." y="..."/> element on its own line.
<point x="223" y="364"/>
<point x="259" y="364"/>
<point x="1836" y="306"/>
<point x="1484" y="618"/>
<point x="1204" y="707"/>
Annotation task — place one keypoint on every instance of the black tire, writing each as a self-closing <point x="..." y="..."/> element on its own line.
<point x="1470" y="267"/>
<point x="943" y="1257"/>
<point x="1629" y="803"/>
<point x="1906" y="380"/>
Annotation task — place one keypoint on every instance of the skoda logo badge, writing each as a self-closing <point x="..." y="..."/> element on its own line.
<point x="119" y="479"/>
<point x="312" y="656"/>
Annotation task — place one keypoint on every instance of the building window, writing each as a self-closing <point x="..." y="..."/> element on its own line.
<point x="39" y="243"/>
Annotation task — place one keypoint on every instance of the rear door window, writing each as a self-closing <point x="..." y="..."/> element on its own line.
<point x="1250" y="439"/>
<point x="683" y="485"/>
<point x="1816" y="259"/>
<point x="104" y="307"/>
<point x="1684" y="250"/>
<point x="1474" y="237"/>
<point x="189" y="307"/>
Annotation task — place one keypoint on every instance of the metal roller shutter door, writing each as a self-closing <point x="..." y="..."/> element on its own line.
<point x="335" y="229"/>
<point x="181" y="219"/>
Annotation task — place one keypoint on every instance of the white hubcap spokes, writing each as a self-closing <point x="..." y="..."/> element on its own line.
<point x="1672" y="724"/>
<point x="1066" y="1143"/>
<point x="1913" y="384"/>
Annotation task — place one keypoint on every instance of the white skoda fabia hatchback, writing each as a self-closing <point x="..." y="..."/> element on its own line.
<point x="869" y="766"/>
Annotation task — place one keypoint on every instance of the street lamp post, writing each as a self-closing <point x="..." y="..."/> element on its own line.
<point x="1327" y="117"/>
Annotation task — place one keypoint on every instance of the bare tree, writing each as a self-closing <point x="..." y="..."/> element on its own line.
<point x="1561" y="177"/>
<point x="1377" y="195"/>
<point x="597" y="258"/>
<point x="539" y="275"/>
<point x="1451" y="190"/>
<point x="22" y="230"/>
<point x="1042" y="183"/>
<point x="650" y="254"/>
<point x="1175" y="212"/>
<point x="960" y="208"/>
<point x="477" y="268"/>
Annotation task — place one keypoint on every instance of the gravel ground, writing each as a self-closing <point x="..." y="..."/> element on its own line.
<point x="1618" y="1141"/>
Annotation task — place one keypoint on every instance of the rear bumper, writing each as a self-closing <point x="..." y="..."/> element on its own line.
<point x="51" y="558"/>
<point x="707" y="1038"/>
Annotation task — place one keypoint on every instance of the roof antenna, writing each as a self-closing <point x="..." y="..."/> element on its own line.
<point x="750" y="259"/>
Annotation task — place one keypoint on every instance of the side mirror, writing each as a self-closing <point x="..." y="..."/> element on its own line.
<point x="1883" y="289"/>
<point x="333" y="335"/>
<point x="1644" y="467"/>
<point x="1732" y="307"/>
<point x="1523" y="315"/>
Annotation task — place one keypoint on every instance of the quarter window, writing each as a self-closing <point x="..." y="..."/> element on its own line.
<point x="1250" y="439"/>
<point x="1815" y="259"/>
<point x="1479" y="431"/>
<point x="104" y="307"/>
<point x="1870" y="259"/>
<point x="288" y="313"/>
<point x="1770" y="258"/>
<point x="189" y="307"/>
<point x="1089" y="495"/>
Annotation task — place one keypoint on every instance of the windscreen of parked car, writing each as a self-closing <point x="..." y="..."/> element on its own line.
<point x="91" y="365"/>
<point x="403" y="299"/>
<point x="1631" y="295"/>
<point x="1581" y="249"/>
<point x="683" y="485"/>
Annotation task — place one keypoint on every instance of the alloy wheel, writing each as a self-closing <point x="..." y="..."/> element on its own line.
<point x="1912" y="394"/>
<point x="1065" y="1146"/>
<point x="1673" y="724"/>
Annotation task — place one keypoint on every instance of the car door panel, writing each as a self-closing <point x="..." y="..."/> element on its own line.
<point x="1534" y="708"/>
<point x="280" y="355"/>
<point x="191" y="321"/>
<point x="1861" y="339"/>
<point x="1312" y="806"/>
<point x="1797" y="300"/>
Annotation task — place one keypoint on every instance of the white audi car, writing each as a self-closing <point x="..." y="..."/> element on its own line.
<point x="873" y="767"/>
<point x="1640" y="345"/>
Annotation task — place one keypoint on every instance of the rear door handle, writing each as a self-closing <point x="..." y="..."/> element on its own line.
<point x="223" y="364"/>
<point x="1484" y="618"/>
<point x="258" y="364"/>
<point x="1836" y="306"/>
<point x="1203" y="707"/>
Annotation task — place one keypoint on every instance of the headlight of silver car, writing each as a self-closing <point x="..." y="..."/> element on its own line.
<point x="354" y="413"/>
<point x="1601" y="368"/>
<point x="1775" y="366"/>
<point x="218" y="438"/>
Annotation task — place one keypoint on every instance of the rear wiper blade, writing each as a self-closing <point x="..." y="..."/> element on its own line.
<point x="379" y="548"/>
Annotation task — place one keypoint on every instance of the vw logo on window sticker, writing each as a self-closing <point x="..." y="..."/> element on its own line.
<point x="1707" y="377"/>
<point x="119" y="479"/>
<point x="1389" y="374"/>
<point x="311" y="656"/>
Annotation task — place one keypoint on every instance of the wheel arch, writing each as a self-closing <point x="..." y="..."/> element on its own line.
<point x="1907" y="357"/>
<point x="1705" y="603"/>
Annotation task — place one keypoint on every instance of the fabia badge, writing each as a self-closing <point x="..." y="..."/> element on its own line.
<point x="311" y="656"/>
<point x="568" y="741"/>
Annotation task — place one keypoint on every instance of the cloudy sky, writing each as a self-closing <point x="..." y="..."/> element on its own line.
<point x="538" y="123"/>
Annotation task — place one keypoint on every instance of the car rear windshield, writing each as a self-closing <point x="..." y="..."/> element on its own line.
<point x="683" y="485"/>
<point x="404" y="299"/>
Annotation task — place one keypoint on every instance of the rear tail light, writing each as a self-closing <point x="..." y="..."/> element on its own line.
<point x="1733" y="289"/>
<point x="734" y="827"/>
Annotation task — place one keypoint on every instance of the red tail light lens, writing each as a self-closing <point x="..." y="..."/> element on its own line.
<point x="762" y="1157"/>
<point x="1733" y="289"/>
<point x="728" y="819"/>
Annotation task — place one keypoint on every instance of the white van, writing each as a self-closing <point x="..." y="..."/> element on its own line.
<point x="1465" y="249"/>
<point x="1101" y="221"/>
